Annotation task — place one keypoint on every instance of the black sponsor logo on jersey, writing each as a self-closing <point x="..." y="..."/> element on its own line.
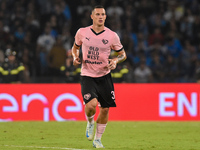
<point x="93" y="53"/>
<point x="93" y="62"/>
<point x="105" y="41"/>
<point x="91" y="48"/>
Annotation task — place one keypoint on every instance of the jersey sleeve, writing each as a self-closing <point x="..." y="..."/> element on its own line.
<point x="116" y="44"/>
<point x="78" y="38"/>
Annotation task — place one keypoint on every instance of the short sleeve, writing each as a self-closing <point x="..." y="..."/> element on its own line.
<point x="78" y="38"/>
<point x="116" y="44"/>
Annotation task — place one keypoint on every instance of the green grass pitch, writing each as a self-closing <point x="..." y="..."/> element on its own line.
<point x="118" y="136"/>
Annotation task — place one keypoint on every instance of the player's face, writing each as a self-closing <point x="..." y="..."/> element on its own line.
<point x="99" y="16"/>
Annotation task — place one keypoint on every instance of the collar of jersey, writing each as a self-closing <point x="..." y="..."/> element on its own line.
<point x="97" y="33"/>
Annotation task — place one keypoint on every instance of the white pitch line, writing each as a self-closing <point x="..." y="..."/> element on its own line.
<point x="43" y="147"/>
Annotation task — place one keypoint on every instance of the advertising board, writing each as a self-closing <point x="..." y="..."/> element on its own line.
<point x="135" y="102"/>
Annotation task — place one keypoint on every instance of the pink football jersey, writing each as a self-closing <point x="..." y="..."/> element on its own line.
<point x="96" y="48"/>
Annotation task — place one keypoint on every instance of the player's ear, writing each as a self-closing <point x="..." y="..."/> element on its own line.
<point x="91" y="16"/>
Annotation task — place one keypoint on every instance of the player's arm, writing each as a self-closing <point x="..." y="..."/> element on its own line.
<point x="75" y="54"/>
<point x="120" y="58"/>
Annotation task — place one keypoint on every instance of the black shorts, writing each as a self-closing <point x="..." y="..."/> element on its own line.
<point x="101" y="88"/>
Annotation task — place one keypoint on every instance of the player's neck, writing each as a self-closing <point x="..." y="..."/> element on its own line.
<point x="97" y="28"/>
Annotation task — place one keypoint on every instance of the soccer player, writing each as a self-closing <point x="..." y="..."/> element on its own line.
<point x="96" y="42"/>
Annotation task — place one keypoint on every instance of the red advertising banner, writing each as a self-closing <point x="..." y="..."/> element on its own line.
<point x="135" y="102"/>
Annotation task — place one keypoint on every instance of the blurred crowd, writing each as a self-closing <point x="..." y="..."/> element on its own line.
<point x="161" y="39"/>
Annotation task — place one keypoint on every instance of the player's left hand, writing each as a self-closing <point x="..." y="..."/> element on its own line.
<point x="112" y="64"/>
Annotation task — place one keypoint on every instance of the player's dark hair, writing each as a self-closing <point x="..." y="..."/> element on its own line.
<point x="97" y="6"/>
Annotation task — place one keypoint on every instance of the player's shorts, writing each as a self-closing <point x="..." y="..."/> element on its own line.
<point x="101" y="88"/>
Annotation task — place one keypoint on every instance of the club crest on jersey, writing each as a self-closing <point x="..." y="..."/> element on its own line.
<point x="87" y="96"/>
<point x="105" y="41"/>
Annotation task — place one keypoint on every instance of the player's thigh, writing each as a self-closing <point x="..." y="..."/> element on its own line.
<point x="91" y="104"/>
<point x="104" y="111"/>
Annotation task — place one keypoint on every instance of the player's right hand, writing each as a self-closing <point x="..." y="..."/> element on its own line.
<point x="76" y="61"/>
